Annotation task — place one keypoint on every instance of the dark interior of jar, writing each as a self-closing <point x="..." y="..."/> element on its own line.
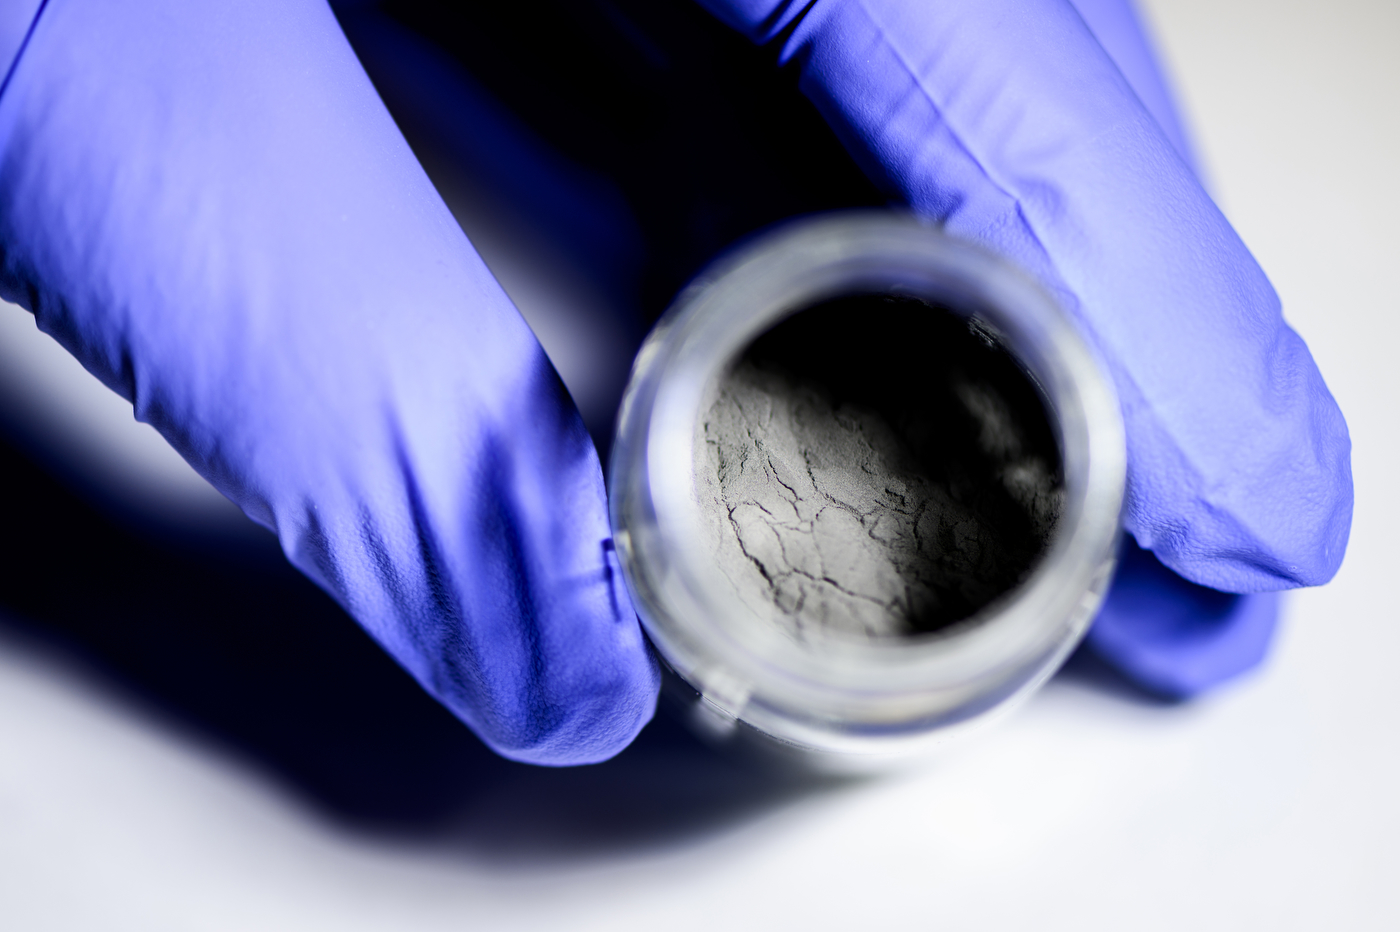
<point x="888" y="468"/>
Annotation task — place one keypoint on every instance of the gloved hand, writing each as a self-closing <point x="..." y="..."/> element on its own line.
<point x="208" y="205"/>
<point x="1010" y="122"/>
<point x="1018" y="126"/>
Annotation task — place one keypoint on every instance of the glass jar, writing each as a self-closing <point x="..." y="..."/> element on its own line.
<point x="854" y="698"/>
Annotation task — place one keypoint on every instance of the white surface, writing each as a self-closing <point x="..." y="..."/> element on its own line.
<point x="1273" y="805"/>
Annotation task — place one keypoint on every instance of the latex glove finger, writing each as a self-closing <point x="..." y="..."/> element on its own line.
<point x="207" y="204"/>
<point x="1006" y="120"/>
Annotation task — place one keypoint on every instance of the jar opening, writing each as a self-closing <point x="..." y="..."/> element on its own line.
<point x="877" y="467"/>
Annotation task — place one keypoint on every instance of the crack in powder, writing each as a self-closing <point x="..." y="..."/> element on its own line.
<point x="829" y="518"/>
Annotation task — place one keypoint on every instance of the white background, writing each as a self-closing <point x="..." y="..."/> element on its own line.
<point x="1271" y="805"/>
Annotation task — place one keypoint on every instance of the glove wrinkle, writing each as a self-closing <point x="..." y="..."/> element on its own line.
<point x="1118" y="28"/>
<point x="17" y="21"/>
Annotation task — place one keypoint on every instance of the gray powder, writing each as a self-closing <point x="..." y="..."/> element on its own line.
<point x="829" y="519"/>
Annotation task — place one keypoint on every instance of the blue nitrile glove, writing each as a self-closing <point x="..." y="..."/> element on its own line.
<point x="1009" y="121"/>
<point x="207" y="204"/>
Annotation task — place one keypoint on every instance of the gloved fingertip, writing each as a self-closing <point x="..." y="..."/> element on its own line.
<point x="1174" y="638"/>
<point x="596" y="730"/>
<point x="593" y="681"/>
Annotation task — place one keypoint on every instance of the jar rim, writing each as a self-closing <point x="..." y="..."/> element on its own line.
<point x="814" y="692"/>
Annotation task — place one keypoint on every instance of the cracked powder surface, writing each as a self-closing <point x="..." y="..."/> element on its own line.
<point x="827" y="521"/>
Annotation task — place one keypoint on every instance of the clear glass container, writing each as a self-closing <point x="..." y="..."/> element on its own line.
<point x="849" y="698"/>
